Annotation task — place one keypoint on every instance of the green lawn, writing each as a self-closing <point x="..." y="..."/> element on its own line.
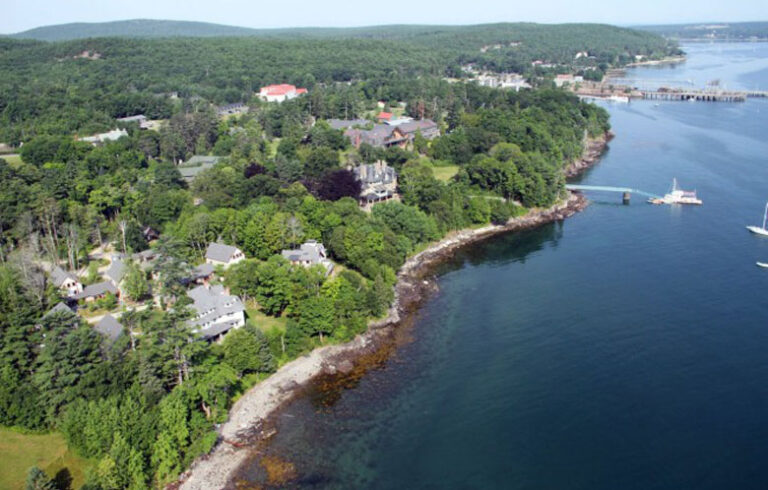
<point x="13" y="160"/>
<point x="261" y="320"/>
<point x="18" y="452"/>
<point x="445" y="172"/>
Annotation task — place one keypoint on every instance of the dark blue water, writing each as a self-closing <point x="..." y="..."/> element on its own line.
<point x="626" y="348"/>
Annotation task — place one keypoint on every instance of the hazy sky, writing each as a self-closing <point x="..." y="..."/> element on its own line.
<point x="19" y="15"/>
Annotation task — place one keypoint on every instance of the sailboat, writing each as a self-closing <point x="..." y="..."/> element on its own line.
<point x="758" y="230"/>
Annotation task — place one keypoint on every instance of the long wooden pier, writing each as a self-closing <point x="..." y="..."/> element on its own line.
<point x="695" y="95"/>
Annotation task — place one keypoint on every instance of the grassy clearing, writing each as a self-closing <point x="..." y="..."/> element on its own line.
<point x="261" y="320"/>
<point x="18" y="452"/>
<point x="13" y="160"/>
<point x="445" y="172"/>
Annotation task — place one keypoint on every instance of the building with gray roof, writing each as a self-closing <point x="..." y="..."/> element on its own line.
<point x="116" y="271"/>
<point x="109" y="327"/>
<point x="378" y="182"/>
<point x="216" y="312"/>
<point x="221" y="254"/>
<point x="192" y="167"/>
<point x="66" y="281"/>
<point x="309" y="254"/>
<point x="348" y="123"/>
<point x="60" y="307"/>
<point x="98" y="290"/>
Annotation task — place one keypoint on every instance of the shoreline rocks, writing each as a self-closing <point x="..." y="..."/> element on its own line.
<point x="246" y="425"/>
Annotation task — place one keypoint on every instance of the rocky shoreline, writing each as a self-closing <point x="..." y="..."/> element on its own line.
<point x="245" y="427"/>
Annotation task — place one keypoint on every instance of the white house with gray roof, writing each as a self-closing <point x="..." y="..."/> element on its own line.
<point x="96" y="291"/>
<point x="66" y="281"/>
<point x="309" y="254"/>
<point x="221" y="254"/>
<point x="216" y="312"/>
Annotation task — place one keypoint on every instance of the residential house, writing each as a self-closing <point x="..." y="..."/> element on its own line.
<point x="150" y="233"/>
<point x="397" y="132"/>
<point x="144" y="123"/>
<point x="397" y="121"/>
<point x="309" y="254"/>
<point x="381" y="136"/>
<point x="113" y="135"/>
<point x="192" y="167"/>
<point x="110" y="328"/>
<point x="216" y="312"/>
<point x="66" y="281"/>
<point x="97" y="291"/>
<point x="202" y="274"/>
<point x="281" y="92"/>
<point x="428" y="128"/>
<point x="232" y="109"/>
<point x="60" y="307"/>
<point x="378" y="182"/>
<point x="220" y="254"/>
<point x="116" y="271"/>
<point x="384" y="116"/>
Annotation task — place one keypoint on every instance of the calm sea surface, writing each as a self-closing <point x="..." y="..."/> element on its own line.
<point x="626" y="348"/>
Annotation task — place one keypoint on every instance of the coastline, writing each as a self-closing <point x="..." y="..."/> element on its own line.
<point x="670" y="60"/>
<point x="245" y="426"/>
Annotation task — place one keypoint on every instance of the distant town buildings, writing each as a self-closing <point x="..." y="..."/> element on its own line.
<point x="563" y="79"/>
<point x="281" y="92"/>
<point x="309" y="254"/>
<point x="141" y="119"/>
<point x="216" y="312"/>
<point x="224" y="255"/>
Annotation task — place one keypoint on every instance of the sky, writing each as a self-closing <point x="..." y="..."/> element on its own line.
<point x="20" y="15"/>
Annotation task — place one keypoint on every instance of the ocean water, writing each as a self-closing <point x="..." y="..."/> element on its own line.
<point x="625" y="348"/>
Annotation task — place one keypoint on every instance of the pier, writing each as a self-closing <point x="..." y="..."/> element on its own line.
<point x="626" y="192"/>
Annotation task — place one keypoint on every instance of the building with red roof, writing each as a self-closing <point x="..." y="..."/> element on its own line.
<point x="384" y="116"/>
<point x="280" y="92"/>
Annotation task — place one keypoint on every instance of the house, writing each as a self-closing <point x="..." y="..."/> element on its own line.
<point x="397" y="121"/>
<point x="562" y="79"/>
<point x="220" y="254"/>
<point x="66" y="281"/>
<point x="348" y="123"/>
<point x="97" y="291"/>
<point x="428" y="128"/>
<point x="202" y="274"/>
<point x="192" y="167"/>
<point x="310" y="253"/>
<point x="381" y="136"/>
<point x="110" y="328"/>
<point x="60" y="307"/>
<point x="231" y="109"/>
<point x="281" y="92"/>
<point x="397" y="132"/>
<point x="378" y="182"/>
<point x="113" y="135"/>
<point x="144" y="123"/>
<point x="116" y="271"/>
<point x="216" y="312"/>
<point x="384" y="116"/>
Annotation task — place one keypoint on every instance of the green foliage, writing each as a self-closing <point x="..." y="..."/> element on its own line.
<point x="247" y="351"/>
<point x="38" y="480"/>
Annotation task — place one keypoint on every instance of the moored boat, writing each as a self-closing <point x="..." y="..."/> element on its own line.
<point x="762" y="264"/>
<point x="760" y="230"/>
<point x="677" y="196"/>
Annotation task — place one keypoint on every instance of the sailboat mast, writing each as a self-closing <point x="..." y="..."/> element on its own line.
<point x="765" y="214"/>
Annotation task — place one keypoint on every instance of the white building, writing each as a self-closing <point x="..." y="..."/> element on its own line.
<point x="66" y="281"/>
<point x="281" y="92"/>
<point x="310" y="253"/>
<point x="220" y="254"/>
<point x="216" y="312"/>
<point x="113" y="135"/>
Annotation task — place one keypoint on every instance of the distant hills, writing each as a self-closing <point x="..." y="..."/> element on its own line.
<point x="715" y="31"/>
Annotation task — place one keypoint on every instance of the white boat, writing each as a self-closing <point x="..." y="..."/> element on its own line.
<point x="619" y="98"/>
<point x="677" y="196"/>
<point x="760" y="230"/>
<point x="762" y="264"/>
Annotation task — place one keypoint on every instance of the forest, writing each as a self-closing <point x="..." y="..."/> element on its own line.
<point x="47" y="88"/>
<point x="143" y="407"/>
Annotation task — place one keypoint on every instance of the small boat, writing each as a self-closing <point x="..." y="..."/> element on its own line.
<point x="760" y="230"/>
<point x="762" y="264"/>
<point x="677" y="196"/>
